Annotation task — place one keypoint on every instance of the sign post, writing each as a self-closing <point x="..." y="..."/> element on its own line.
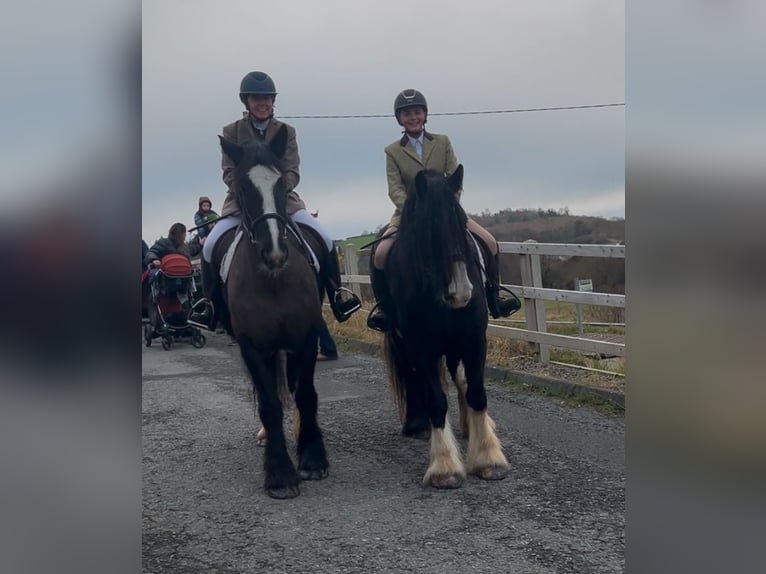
<point x="582" y="285"/>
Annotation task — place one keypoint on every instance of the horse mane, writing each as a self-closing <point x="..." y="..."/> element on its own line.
<point x="433" y="232"/>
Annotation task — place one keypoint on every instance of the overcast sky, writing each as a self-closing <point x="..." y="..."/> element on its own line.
<point x="353" y="57"/>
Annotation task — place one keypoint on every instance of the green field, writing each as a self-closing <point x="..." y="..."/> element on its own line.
<point x="357" y="242"/>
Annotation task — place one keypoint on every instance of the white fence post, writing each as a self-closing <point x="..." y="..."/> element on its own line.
<point x="351" y="266"/>
<point x="531" y="276"/>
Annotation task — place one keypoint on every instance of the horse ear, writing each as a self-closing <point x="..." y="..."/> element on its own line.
<point x="278" y="145"/>
<point x="231" y="149"/>
<point x="420" y="182"/>
<point x="456" y="179"/>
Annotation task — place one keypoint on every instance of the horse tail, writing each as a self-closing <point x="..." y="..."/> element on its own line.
<point x="284" y="392"/>
<point x="394" y="363"/>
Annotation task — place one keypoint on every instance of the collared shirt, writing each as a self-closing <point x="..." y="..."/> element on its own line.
<point x="260" y="126"/>
<point x="417" y="143"/>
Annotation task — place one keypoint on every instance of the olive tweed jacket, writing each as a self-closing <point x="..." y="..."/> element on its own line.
<point x="403" y="164"/>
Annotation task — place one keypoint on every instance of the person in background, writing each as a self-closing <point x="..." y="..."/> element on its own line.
<point x="328" y="351"/>
<point x="175" y="242"/>
<point x="204" y="214"/>
<point x="144" y="251"/>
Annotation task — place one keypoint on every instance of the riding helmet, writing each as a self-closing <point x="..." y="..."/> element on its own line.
<point x="258" y="83"/>
<point x="408" y="98"/>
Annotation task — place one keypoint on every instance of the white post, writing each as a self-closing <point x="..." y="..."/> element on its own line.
<point x="351" y="267"/>
<point x="578" y="307"/>
<point x="531" y="276"/>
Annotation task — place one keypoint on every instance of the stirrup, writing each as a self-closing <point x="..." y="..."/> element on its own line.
<point x="202" y="318"/>
<point x="344" y="309"/>
<point x="506" y="306"/>
<point x="377" y="320"/>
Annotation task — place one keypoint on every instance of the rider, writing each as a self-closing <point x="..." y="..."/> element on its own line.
<point x="257" y="92"/>
<point x="419" y="150"/>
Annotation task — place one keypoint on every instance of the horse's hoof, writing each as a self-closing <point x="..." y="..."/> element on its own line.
<point x="446" y="481"/>
<point x="260" y="438"/>
<point x="283" y="492"/>
<point x="315" y="474"/>
<point x="493" y="472"/>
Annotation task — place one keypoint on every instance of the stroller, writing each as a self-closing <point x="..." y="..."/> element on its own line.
<point x="171" y="292"/>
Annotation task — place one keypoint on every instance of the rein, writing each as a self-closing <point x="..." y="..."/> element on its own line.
<point x="288" y="224"/>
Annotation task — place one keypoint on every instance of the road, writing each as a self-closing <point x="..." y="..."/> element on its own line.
<point x="561" y="509"/>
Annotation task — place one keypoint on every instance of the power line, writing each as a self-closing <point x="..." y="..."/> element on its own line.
<point x="471" y="113"/>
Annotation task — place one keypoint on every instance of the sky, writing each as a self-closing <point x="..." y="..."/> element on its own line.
<point x="340" y="57"/>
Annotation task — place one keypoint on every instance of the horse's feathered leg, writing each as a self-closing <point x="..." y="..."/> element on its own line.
<point x="281" y="479"/>
<point x="458" y="378"/>
<point x="445" y="469"/>
<point x="312" y="456"/>
<point x="484" y="456"/>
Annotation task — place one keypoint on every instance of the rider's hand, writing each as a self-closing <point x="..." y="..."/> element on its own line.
<point x="202" y="240"/>
<point x="156" y="263"/>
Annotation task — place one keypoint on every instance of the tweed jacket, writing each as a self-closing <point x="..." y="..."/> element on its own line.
<point x="403" y="164"/>
<point x="243" y="131"/>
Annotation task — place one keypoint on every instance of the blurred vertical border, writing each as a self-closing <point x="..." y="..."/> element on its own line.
<point x="695" y="199"/>
<point x="70" y="396"/>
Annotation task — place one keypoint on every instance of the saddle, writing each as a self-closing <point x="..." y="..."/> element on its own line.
<point x="228" y="242"/>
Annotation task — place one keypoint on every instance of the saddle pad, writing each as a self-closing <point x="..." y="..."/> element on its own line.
<point x="307" y="229"/>
<point x="226" y="261"/>
<point x="481" y="257"/>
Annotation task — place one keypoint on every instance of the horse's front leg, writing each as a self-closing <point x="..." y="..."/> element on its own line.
<point x="281" y="479"/>
<point x="484" y="457"/>
<point x="312" y="456"/>
<point x="445" y="469"/>
<point x="417" y="419"/>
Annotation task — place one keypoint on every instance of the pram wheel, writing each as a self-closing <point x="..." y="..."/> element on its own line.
<point x="148" y="335"/>
<point x="167" y="340"/>
<point x="198" y="339"/>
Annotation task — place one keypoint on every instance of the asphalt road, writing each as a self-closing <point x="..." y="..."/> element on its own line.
<point x="204" y="510"/>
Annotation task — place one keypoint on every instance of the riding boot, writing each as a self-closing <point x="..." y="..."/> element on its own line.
<point x="343" y="302"/>
<point x="499" y="306"/>
<point x="213" y="301"/>
<point x="378" y="319"/>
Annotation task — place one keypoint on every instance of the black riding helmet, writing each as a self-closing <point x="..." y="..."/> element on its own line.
<point x="409" y="98"/>
<point x="256" y="83"/>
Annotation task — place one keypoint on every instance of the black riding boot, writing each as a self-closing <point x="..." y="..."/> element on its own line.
<point x="378" y="319"/>
<point x="206" y="311"/>
<point x="499" y="306"/>
<point x="343" y="302"/>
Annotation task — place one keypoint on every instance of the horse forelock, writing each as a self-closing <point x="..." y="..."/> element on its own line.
<point x="433" y="232"/>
